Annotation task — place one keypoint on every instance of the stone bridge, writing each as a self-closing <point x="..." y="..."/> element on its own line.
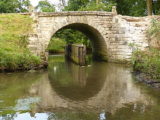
<point x="113" y="37"/>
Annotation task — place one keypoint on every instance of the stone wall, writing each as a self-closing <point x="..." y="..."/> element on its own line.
<point x="128" y="34"/>
<point x="114" y="37"/>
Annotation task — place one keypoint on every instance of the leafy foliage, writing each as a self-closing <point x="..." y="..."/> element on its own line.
<point x="12" y="6"/>
<point x="156" y="7"/>
<point x="154" y="33"/>
<point x="131" y="7"/>
<point x="147" y="62"/>
<point x="73" y="36"/>
<point x="75" y="5"/>
<point x="154" y="29"/>
<point x="92" y="6"/>
<point x="56" y="45"/>
<point x="86" y="5"/>
<point x="67" y="36"/>
<point x="45" y="6"/>
<point x="124" y="7"/>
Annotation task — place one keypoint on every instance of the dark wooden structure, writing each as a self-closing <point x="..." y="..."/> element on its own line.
<point x="77" y="53"/>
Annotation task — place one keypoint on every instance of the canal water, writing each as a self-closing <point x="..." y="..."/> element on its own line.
<point x="66" y="91"/>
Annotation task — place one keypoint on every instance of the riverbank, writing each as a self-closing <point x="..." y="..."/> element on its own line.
<point x="21" y="69"/>
<point x="142" y="77"/>
<point x="146" y="67"/>
<point x="14" y="54"/>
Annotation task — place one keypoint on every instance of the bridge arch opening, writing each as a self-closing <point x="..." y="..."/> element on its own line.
<point x="98" y="44"/>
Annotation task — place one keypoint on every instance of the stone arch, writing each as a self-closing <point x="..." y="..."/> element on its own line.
<point x="99" y="45"/>
<point x="114" y="32"/>
<point x="96" y="25"/>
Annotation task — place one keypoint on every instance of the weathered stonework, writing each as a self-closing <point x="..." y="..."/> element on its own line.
<point x="114" y="37"/>
<point x="128" y="34"/>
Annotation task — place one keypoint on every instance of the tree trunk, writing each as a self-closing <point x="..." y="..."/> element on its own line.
<point x="149" y="7"/>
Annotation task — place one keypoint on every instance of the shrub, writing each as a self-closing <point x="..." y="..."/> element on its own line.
<point x="154" y="33"/>
<point x="154" y="29"/>
<point x="15" y="60"/>
<point x="147" y="62"/>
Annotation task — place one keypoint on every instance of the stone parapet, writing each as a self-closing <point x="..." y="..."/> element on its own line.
<point x="74" y="13"/>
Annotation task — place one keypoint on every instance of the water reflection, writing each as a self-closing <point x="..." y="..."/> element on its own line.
<point x="69" y="92"/>
<point x="102" y="116"/>
<point x="77" y="82"/>
<point x="28" y="116"/>
<point x="103" y="87"/>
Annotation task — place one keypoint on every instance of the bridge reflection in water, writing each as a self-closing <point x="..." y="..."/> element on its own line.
<point x="95" y="88"/>
<point x="68" y="91"/>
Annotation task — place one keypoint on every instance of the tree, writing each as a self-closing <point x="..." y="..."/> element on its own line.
<point x="101" y="6"/>
<point x="13" y="6"/>
<point x="45" y="6"/>
<point x="131" y="7"/>
<point x="89" y="5"/>
<point x="137" y="7"/>
<point x="75" y="5"/>
<point x="24" y="5"/>
<point x="156" y="7"/>
<point x="8" y="6"/>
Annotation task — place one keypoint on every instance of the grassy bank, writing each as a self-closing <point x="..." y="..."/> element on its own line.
<point x="14" y="53"/>
<point x="147" y="62"/>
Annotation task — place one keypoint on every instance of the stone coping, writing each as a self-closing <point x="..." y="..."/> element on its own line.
<point x="71" y="13"/>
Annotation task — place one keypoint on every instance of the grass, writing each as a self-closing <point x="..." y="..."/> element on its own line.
<point x="147" y="62"/>
<point x="14" y="53"/>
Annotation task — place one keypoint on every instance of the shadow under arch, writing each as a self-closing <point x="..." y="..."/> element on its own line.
<point x="83" y="82"/>
<point x="99" y="45"/>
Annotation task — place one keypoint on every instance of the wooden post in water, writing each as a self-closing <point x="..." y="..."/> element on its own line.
<point x="77" y="53"/>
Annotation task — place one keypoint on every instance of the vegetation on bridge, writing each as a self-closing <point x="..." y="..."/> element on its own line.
<point x="14" y="53"/>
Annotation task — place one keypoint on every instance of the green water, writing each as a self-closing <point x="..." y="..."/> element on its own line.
<point x="66" y="91"/>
